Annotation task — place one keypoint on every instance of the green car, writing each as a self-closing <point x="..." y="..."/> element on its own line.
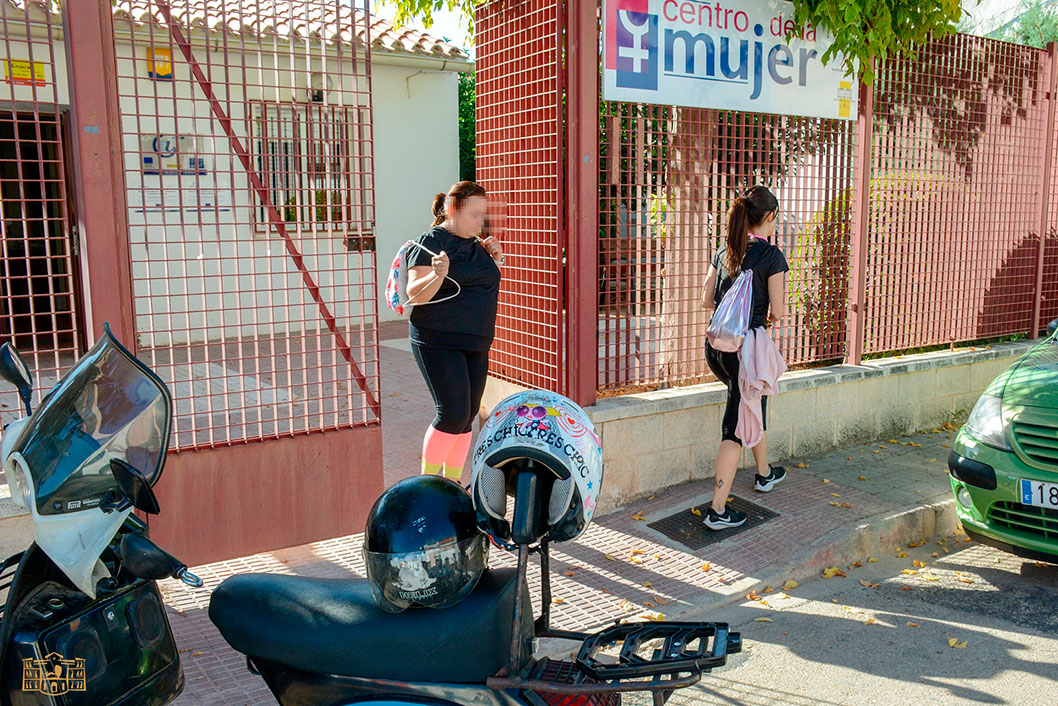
<point x="1004" y="462"/>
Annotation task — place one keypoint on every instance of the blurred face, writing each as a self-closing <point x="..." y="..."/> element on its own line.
<point x="766" y="229"/>
<point x="469" y="220"/>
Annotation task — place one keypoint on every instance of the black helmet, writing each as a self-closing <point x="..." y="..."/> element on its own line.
<point x="422" y="545"/>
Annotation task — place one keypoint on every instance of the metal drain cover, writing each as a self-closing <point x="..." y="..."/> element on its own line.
<point x="689" y="529"/>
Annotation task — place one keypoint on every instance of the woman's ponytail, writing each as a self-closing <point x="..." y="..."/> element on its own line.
<point x="438" y="209"/>
<point x="737" y="234"/>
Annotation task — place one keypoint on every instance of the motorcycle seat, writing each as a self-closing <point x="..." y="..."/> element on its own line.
<point x="333" y="626"/>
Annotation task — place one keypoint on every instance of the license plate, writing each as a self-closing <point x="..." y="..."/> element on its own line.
<point x="1039" y="494"/>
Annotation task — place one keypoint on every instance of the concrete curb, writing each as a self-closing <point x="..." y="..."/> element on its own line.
<point x="840" y="547"/>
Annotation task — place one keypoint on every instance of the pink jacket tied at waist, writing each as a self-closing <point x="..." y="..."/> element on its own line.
<point x="760" y="366"/>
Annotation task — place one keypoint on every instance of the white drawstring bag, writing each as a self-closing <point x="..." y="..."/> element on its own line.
<point x="731" y="319"/>
<point x="397" y="283"/>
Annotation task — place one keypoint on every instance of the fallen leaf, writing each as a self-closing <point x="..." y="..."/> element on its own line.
<point x="848" y="458"/>
<point x="762" y="620"/>
<point x="967" y="540"/>
<point x="846" y="505"/>
<point x="706" y="566"/>
<point x="915" y="445"/>
<point x="661" y="601"/>
<point x="606" y="591"/>
<point x="610" y="557"/>
<point x="826" y="480"/>
<point x="862" y="478"/>
<point x="875" y="585"/>
<point x="647" y="584"/>
<point x="892" y="441"/>
<point x="767" y="589"/>
<point x="832" y="572"/>
<point x="906" y="588"/>
<point x="932" y="460"/>
<point x="919" y="543"/>
<point x="653" y="617"/>
<point x="964" y="579"/>
<point x="801" y="465"/>
<point x="876" y="451"/>
<point x="696" y="511"/>
<point x="764" y="603"/>
<point x="638" y="517"/>
<point x="932" y="578"/>
<point x="901" y="555"/>
<point x="856" y="565"/>
<point x="918" y="564"/>
<point x="868" y="622"/>
<point x="865" y="584"/>
<point x="752" y="596"/>
<point x="560" y="601"/>
<point x="638" y="551"/>
<point x="954" y="642"/>
<point x="648" y="604"/>
<point x="945" y="446"/>
<point x="884" y="448"/>
<point x="625" y="605"/>
<point x="790" y="585"/>
<point x="835" y="503"/>
<point x="835" y="495"/>
<point x="636" y="560"/>
<point x="570" y="574"/>
<point x="196" y="654"/>
<point x="909" y="572"/>
<point x="651" y="497"/>
<point x="912" y="625"/>
<point x="872" y="560"/>
<point x="935" y="555"/>
<point x="958" y="531"/>
<point x="1040" y="563"/>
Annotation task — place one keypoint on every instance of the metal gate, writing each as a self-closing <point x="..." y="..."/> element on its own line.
<point x="246" y="133"/>
<point x="40" y="301"/>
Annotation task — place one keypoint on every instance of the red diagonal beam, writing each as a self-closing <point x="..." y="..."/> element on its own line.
<point x="262" y="193"/>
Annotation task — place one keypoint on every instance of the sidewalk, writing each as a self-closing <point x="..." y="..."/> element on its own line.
<point x="830" y="510"/>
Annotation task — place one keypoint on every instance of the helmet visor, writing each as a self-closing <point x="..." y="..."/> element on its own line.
<point x="439" y="576"/>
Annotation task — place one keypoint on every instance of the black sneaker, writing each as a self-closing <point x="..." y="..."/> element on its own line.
<point x="730" y="518"/>
<point x="764" y="484"/>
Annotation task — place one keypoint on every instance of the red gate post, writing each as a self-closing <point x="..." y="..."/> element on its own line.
<point x="1045" y="187"/>
<point x="861" y="194"/>
<point x="582" y="200"/>
<point x="99" y="169"/>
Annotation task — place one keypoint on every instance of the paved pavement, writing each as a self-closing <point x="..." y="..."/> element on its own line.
<point x="827" y="510"/>
<point x="949" y="622"/>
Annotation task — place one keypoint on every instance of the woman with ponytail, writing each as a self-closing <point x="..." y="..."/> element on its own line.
<point x="751" y="222"/>
<point x="451" y="337"/>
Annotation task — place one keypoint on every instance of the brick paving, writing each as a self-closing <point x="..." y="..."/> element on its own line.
<point x="619" y="568"/>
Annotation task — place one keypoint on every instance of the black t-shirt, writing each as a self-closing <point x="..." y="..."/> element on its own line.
<point x="468" y="320"/>
<point x="765" y="260"/>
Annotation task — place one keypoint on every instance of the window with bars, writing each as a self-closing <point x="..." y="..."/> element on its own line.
<point x="311" y="158"/>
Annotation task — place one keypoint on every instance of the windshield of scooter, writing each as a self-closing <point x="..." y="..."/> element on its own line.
<point x="109" y="405"/>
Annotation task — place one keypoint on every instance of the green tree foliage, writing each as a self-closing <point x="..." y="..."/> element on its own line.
<point x="1037" y="25"/>
<point x="467" y="139"/>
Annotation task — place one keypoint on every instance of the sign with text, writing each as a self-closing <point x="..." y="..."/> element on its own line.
<point x="723" y="55"/>
<point x="25" y="73"/>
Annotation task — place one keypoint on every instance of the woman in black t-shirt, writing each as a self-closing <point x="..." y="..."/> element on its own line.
<point x="451" y="337"/>
<point x="750" y="222"/>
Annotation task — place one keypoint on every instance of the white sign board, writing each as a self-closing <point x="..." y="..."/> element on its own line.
<point x="730" y="56"/>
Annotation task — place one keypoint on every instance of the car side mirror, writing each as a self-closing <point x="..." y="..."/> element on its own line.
<point x="13" y="368"/>
<point x="134" y="486"/>
<point x="1052" y="327"/>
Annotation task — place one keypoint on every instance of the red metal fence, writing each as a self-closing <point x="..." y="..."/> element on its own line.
<point x="40" y="286"/>
<point x="247" y="147"/>
<point x="935" y="240"/>
<point x="519" y="153"/>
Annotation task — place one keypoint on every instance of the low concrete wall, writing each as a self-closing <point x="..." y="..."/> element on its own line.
<point x="659" y="439"/>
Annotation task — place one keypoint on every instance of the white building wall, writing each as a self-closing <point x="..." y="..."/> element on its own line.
<point x="416" y="154"/>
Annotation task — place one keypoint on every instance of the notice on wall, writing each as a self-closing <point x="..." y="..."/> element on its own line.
<point x="25" y="73"/>
<point x="160" y="63"/>
<point x="729" y="56"/>
<point x="172" y="155"/>
<point x="174" y="199"/>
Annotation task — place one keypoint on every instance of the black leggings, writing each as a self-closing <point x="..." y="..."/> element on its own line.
<point x="725" y="368"/>
<point x="457" y="381"/>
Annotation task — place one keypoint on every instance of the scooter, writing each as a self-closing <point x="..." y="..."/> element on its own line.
<point x="83" y="620"/>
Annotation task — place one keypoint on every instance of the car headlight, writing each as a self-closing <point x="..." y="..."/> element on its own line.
<point x="986" y="423"/>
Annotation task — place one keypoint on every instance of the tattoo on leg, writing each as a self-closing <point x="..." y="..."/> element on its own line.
<point x="719" y="483"/>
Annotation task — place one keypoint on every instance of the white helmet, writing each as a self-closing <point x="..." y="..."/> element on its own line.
<point x="550" y="430"/>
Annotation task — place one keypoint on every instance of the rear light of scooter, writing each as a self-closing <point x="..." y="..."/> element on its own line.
<point x="565" y="673"/>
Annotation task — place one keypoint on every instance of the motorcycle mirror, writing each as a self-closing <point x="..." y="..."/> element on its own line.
<point x="135" y="486"/>
<point x="13" y="368"/>
<point x="1052" y="327"/>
